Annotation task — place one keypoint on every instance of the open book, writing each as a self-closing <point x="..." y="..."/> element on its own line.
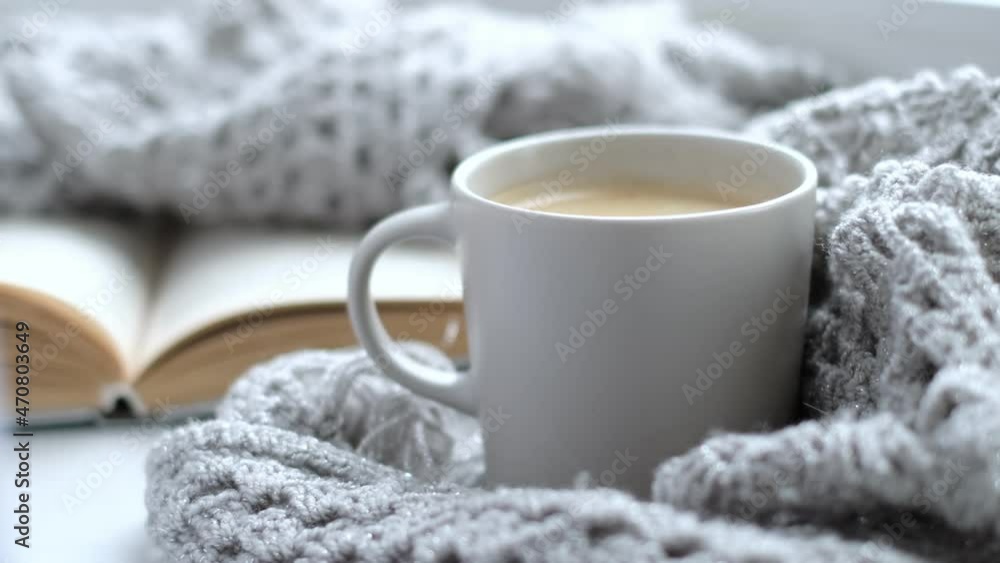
<point x="117" y="316"/>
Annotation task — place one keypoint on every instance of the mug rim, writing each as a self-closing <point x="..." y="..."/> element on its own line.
<point x="461" y="174"/>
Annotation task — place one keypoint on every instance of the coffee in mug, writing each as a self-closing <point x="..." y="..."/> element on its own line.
<point x="620" y="198"/>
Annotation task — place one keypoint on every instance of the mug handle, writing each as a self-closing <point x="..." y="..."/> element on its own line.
<point x="433" y="221"/>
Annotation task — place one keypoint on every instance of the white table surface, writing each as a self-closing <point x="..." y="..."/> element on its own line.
<point x="106" y="527"/>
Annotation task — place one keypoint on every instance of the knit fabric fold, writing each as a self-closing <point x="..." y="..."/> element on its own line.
<point x="289" y="474"/>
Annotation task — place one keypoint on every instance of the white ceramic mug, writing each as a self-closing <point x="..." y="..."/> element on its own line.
<point x="606" y="344"/>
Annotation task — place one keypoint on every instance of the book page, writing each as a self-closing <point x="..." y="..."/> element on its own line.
<point x="102" y="269"/>
<point x="218" y="274"/>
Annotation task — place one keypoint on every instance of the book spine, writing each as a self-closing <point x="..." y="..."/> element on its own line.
<point x="119" y="400"/>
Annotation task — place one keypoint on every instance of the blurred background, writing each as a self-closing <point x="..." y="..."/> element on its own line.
<point x="945" y="34"/>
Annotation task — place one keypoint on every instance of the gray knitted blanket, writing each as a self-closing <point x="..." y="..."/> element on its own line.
<point x="317" y="457"/>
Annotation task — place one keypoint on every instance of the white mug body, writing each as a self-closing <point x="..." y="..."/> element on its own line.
<point x="603" y="345"/>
